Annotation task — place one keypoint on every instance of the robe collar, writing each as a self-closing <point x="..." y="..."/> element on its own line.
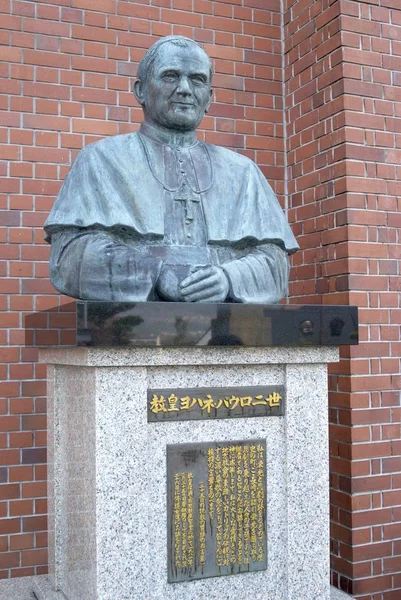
<point x="177" y="165"/>
<point x="184" y="139"/>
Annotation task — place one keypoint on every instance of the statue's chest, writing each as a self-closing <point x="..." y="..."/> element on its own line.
<point x="185" y="174"/>
<point x="184" y="220"/>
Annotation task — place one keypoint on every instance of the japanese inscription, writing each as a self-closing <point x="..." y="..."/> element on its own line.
<point x="215" y="403"/>
<point x="216" y="518"/>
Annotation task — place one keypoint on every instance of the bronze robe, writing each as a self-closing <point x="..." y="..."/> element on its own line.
<point x="132" y="204"/>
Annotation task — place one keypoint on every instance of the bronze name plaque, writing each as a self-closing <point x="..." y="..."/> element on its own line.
<point x="215" y="403"/>
<point x="216" y="509"/>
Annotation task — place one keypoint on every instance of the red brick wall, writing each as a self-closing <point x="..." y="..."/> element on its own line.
<point x="66" y="78"/>
<point x="343" y="99"/>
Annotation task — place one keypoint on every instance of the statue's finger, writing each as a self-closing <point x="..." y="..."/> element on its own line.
<point x="197" y="276"/>
<point x="207" y="282"/>
<point x="206" y="285"/>
<point x="212" y="298"/>
<point x="196" y="287"/>
<point x="202" y="294"/>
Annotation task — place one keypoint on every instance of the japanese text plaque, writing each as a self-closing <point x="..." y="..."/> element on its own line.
<point x="216" y="503"/>
<point x="215" y="403"/>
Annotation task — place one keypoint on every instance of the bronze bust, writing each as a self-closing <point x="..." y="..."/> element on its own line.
<point x="160" y="215"/>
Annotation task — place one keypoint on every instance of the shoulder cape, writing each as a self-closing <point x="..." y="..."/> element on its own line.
<point x="110" y="186"/>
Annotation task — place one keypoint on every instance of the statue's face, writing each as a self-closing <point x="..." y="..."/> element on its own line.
<point x="178" y="90"/>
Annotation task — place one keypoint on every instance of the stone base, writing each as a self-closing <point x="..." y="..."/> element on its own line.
<point x="107" y="473"/>
<point x="39" y="588"/>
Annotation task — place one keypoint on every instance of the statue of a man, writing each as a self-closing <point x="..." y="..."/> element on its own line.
<point x="160" y="215"/>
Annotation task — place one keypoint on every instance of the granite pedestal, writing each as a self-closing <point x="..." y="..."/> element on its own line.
<point x="107" y="475"/>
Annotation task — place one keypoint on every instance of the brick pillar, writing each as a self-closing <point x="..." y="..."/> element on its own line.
<point x="343" y="114"/>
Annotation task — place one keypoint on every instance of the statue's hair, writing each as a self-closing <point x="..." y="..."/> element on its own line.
<point x="146" y="64"/>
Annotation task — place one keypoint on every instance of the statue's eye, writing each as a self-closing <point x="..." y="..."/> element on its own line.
<point x="198" y="79"/>
<point x="169" y="76"/>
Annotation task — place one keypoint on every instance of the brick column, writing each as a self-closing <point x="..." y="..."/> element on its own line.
<point x="343" y="114"/>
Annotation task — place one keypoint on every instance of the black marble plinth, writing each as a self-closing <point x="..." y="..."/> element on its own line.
<point x="194" y="324"/>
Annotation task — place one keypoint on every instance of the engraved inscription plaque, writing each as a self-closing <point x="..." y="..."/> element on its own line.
<point x="216" y="509"/>
<point x="215" y="403"/>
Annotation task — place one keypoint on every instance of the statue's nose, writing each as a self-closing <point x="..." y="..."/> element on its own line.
<point x="183" y="86"/>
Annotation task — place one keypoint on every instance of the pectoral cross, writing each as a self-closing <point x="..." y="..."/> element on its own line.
<point x="185" y="195"/>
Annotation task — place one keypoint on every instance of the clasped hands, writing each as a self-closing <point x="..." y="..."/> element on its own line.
<point x="206" y="284"/>
<point x="209" y="284"/>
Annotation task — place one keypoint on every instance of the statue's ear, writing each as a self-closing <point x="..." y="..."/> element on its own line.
<point x="139" y="92"/>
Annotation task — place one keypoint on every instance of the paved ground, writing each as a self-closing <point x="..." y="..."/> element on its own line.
<point x="37" y="588"/>
<point x="338" y="595"/>
<point x="28" y="588"/>
<point x="16" y="589"/>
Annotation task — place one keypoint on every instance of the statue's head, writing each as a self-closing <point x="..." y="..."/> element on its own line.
<point x="174" y="83"/>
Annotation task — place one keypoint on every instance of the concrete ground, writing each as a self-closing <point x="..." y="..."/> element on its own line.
<point x="338" y="595"/>
<point x="28" y="588"/>
<point x="38" y="588"/>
